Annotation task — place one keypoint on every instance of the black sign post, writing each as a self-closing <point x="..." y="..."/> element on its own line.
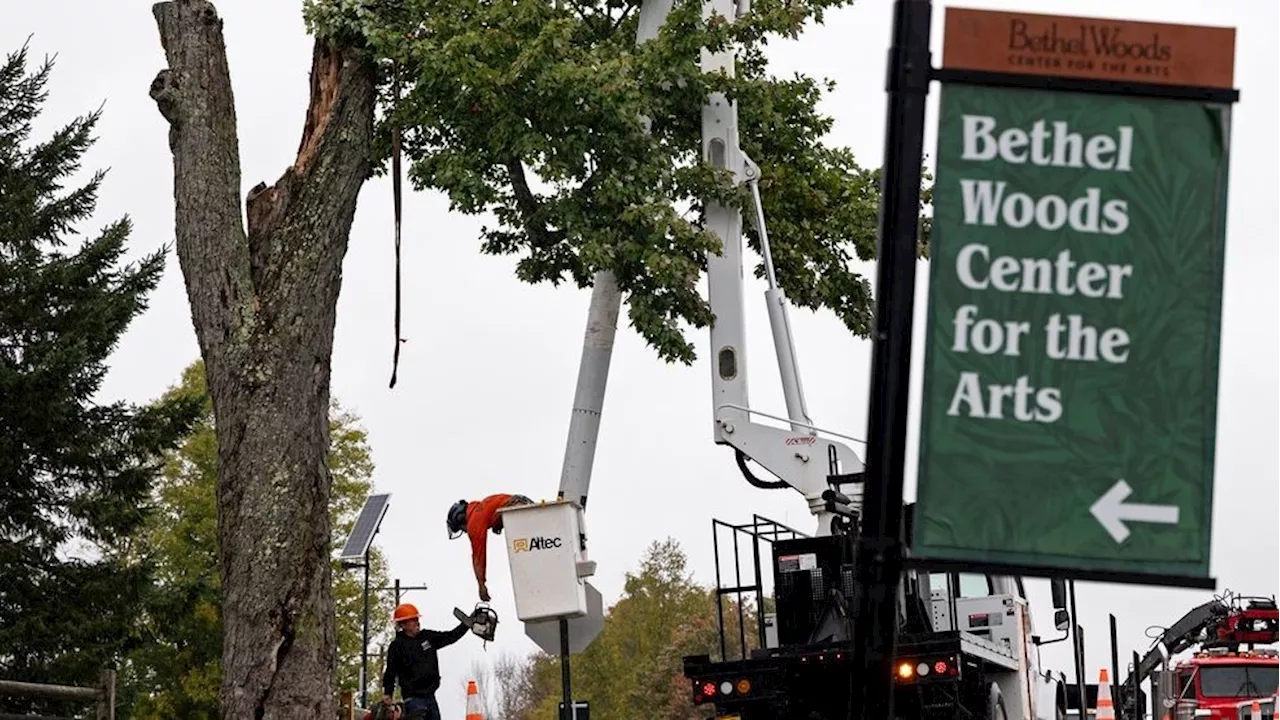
<point x="880" y="542"/>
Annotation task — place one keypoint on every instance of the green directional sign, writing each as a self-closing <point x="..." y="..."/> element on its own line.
<point x="1071" y="364"/>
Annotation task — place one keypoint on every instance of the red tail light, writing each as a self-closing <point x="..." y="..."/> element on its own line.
<point x="910" y="670"/>
<point x="703" y="691"/>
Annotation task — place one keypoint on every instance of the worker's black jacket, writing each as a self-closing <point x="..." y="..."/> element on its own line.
<point x="412" y="661"/>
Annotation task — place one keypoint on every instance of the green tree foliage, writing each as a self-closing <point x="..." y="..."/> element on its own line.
<point x="174" y="672"/>
<point x="633" y="668"/>
<point x="73" y="472"/>
<point x="498" y="98"/>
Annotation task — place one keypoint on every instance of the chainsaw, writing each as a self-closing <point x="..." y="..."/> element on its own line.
<point x="482" y="621"/>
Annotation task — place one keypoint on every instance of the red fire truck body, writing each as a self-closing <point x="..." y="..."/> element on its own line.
<point x="1227" y="673"/>
<point x="1219" y="681"/>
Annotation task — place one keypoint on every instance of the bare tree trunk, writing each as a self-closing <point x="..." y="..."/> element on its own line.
<point x="262" y="302"/>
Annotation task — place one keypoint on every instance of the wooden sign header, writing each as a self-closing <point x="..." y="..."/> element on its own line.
<point x="1089" y="48"/>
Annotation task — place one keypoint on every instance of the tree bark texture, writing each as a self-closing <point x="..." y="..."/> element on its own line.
<point x="262" y="302"/>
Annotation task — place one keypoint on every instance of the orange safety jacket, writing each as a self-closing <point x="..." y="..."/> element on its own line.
<point x="483" y="516"/>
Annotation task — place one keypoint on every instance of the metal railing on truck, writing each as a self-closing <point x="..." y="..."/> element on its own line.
<point x="760" y="529"/>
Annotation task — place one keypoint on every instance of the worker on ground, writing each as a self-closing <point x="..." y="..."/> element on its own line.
<point x="412" y="661"/>
<point x="475" y="518"/>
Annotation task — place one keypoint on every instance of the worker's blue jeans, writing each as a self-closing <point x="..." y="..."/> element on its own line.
<point x="422" y="708"/>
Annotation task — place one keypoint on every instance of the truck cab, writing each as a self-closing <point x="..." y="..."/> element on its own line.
<point x="995" y="608"/>
<point x="1222" y="685"/>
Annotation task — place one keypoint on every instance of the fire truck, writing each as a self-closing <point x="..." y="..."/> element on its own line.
<point x="1226" y="672"/>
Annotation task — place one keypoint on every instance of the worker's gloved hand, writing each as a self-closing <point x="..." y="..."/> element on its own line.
<point x="484" y="592"/>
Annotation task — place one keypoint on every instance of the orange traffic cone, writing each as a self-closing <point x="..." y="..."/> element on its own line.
<point x="1105" y="710"/>
<point x="473" y="702"/>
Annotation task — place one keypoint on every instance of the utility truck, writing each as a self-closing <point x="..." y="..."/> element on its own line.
<point x="967" y="645"/>
<point x="967" y="648"/>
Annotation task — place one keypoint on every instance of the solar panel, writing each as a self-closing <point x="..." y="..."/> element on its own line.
<point x="361" y="537"/>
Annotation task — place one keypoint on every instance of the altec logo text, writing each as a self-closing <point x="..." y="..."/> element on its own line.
<point x="535" y="543"/>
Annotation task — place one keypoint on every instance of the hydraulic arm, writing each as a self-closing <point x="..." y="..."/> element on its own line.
<point x="815" y="466"/>
<point x="597" y="345"/>
<point x="1183" y="634"/>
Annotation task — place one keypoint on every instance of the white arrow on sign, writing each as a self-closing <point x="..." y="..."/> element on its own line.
<point x="1112" y="511"/>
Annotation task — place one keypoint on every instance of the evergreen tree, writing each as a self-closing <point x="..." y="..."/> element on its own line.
<point x="74" y="474"/>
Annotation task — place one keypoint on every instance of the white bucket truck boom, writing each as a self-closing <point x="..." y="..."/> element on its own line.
<point x="549" y="576"/>
<point x="810" y="464"/>
<point x="814" y="466"/>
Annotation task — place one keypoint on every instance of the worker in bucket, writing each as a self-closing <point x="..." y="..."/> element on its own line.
<point x="412" y="661"/>
<point x="475" y="519"/>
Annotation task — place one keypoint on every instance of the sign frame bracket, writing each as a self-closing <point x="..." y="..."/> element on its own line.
<point x="1185" y="582"/>
<point x="960" y="76"/>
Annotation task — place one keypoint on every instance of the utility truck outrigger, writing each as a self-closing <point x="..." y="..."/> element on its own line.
<point x="967" y="646"/>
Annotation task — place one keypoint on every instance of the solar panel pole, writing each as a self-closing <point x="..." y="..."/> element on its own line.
<point x="355" y="552"/>
<point x="364" y="646"/>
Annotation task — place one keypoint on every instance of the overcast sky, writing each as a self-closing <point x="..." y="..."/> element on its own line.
<point x="486" y="378"/>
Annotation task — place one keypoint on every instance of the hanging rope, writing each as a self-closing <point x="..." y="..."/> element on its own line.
<point x="395" y="190"/>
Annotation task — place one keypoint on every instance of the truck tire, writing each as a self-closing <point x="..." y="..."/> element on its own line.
<point x="995" y="704"/>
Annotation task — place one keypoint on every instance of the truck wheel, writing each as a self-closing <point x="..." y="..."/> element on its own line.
<point x="995" y="704"/>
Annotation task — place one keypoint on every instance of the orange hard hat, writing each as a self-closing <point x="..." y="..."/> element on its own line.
<point x="404" y="612"/>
